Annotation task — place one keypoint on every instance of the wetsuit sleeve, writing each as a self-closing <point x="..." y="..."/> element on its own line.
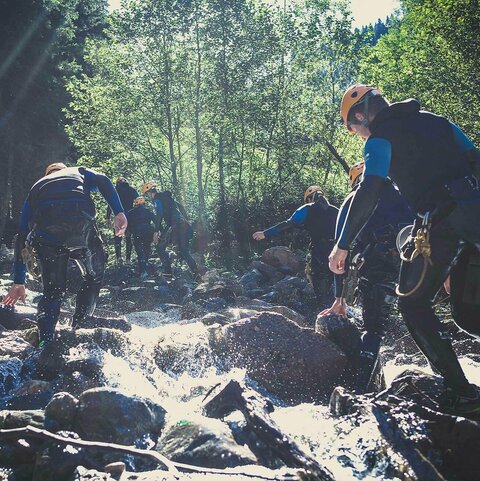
<point x="19" y="267"/>
<point x="106" y="188"/>
<point x="377" y="165"/>
<point x="342" y="214"/>
<point x="297" y="219"/>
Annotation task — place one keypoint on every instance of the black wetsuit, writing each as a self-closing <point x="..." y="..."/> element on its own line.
<point x="319" y="220"/>
<point x="378" y="275"/>
<point x="141" y="222"/>
<point x="177" y="230"/>
<point x="127" y="196"/>
<point x="429" y="159"/>
<point x="58" y="217"/>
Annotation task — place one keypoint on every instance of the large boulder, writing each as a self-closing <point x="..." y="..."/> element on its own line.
<point x="106" y="414"/>
<point x="268" y="271"/>
<point x="12" y="345"/>
<point x="60" y="412"/>
<point x="283" y="259"/>
<point x="204" y="442"/>
<point x="292" y="362"/>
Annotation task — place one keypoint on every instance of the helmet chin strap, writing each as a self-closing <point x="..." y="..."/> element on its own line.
<point x="366" y="122"/>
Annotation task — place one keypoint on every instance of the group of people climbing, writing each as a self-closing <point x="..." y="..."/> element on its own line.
<point x="416" y="190"/>
<point x="419" y="177"/>
<point x="58" y="224"/>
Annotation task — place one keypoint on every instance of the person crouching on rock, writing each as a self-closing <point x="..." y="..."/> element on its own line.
<point x="177" y="231"/>
<point x="318" y="217"/>
<point x="58" y="222"/>
<point x="141" y="222"/>
<point x="373" y="270"/>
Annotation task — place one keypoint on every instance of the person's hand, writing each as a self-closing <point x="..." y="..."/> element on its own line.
<point x="339" y="308"/>
<point x="16" y="292"/>
<point x="121" y="224"/>
<point x="446" y="285"/>
<point x="258" y="236"/>
<point x="155" y="237"/>
<point x="336" y="260"/>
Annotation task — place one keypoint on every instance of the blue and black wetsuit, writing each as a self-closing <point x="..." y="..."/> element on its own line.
<point x="177" y="229"/>
<point x="378" y="274"/>
<point x="58" y="217"/>
<point x="141" y="222"/>
<point x="127" y="196"/>
<point x="429" y="159"/>
<point x="319" y="220"/>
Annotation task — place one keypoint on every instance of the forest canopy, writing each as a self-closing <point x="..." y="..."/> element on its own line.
<point x="233" y="105"/>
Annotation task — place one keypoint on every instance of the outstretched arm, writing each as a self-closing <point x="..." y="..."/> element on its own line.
<point x="296" y="220"/>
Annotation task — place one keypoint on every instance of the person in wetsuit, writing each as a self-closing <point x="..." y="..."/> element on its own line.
<point x="127" y="196"/>
<point x="318" y="217"/>
<point x="141" y="225"/>
<point x="178" y="230"/>
<point x="376" y="246"/>
<point x="430" y="160"/>
<point x="58" y="222"/>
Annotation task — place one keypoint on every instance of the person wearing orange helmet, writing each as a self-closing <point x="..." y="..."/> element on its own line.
<point x="377" y="262"/>
<point x="127" y="196"/>
<point x="58" y="222"/>
<point x="433" y="163"/>
<point x="318" y="217"/>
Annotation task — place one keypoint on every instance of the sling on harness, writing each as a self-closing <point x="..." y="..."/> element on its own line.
<point x="29" y="257"/>
<point x="350" y="284"/>
<point x="414" y="247"/>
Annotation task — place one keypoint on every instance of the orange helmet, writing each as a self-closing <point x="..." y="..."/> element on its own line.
<point x="54" y="167"/>
<point x="139" y="201"/>
<point x="148" y="186"/>
<point x="355" y="173"/>
<point x="352" y="96"/>
<point x="311" y="190"/>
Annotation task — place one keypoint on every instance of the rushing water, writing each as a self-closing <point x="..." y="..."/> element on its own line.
<point x="339" y="444"/>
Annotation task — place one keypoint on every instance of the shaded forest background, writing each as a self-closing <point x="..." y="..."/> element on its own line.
<point x="230" y="104"/>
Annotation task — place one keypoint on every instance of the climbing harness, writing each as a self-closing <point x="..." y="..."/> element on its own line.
<point x="413" y="247"/>
<point x="30" y="259"/>
<point x="350" y="284"/>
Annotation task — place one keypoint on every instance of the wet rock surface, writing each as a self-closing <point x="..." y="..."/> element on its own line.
<point x="197" y="372"/>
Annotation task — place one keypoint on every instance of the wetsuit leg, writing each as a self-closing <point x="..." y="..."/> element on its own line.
<point x="165" y="258"/>
<point x="321" y="279"/>
<point x="94" y="263"/>
<point x="419" y="316"/>
<point x="128" y="246"/>
<point x="376" y="311"/>
<point x="182" y="238"/>
<point x="140" y="249"/>
<point x="53" y="262"/>
<point x="117" y="241"/>
<point x="465" y="290"/>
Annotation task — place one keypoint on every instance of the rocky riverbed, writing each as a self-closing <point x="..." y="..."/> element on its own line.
<point x="231" y="377"/>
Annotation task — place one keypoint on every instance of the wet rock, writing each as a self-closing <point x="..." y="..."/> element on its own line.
<point x="290" y="314"/>
<point x="204" y="442"/>
<point x="12" y="345"/>
<point x="76" y="382"/>
<point x="268" y="271"/>
<point x="341" y="331"/>
<point x="215" y="318"/>
<point x="86" y="358"/>
<point x="93" y="322"/>
<point x="290" y="287"/>
<point x="213" y="304"/>
<point x="9" y="374"/>
<point x="185" y="349"/>
<point x="84" y="474"/>
<point x="251" y="279"/>
<point x="60" y="412"/>
<point x="151" y="319"/>
<point x="191" y="310"/>
<point x="13" y="318"/>
<point x="6" y="254"/>
<point x="111" y="340"/>
<point x="294" y="363"/>
<point x="107" y="414"/>
<point x="219" y="289"/>
<point x="283" y="258"/>
<point x="12" y="419"/>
